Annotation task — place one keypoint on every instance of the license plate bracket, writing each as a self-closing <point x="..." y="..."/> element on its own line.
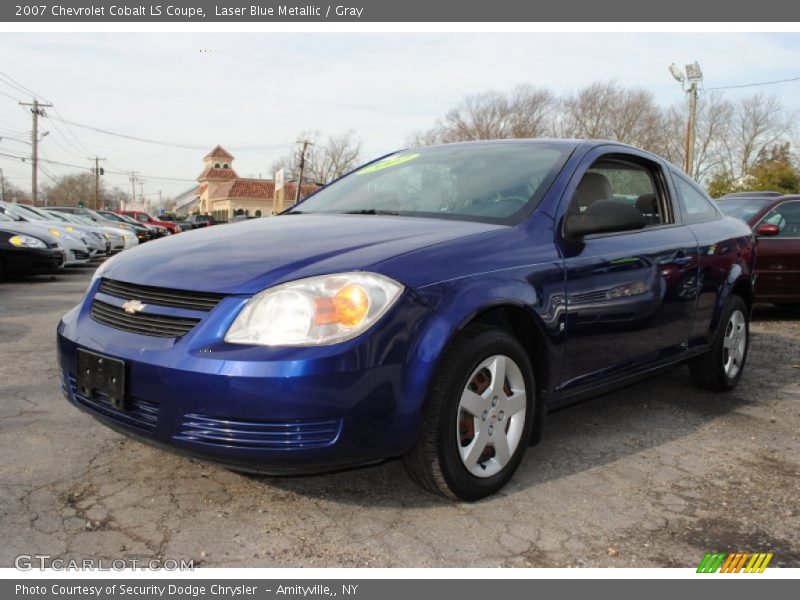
<point x="103" y="375"/>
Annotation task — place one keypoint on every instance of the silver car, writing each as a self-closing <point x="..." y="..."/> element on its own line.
<point x="77" y="251"/>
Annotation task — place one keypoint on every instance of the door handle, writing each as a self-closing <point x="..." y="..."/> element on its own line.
<point x="682" y="260"/>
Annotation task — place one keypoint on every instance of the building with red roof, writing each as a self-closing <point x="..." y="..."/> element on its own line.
<point x="223" y="194"/>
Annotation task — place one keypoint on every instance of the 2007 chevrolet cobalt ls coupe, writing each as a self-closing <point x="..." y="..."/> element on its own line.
<point x="433" y="304"/>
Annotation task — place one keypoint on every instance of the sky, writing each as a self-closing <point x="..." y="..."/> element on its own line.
<point x="253" y="93"/>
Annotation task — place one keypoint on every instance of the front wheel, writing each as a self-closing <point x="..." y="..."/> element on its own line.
<point x="721" y="368"/>
<point x="478" y="417"/>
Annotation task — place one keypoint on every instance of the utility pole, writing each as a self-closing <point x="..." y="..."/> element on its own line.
<point x="306" y="144"/>
<point x="37" y="110"/>
<point x="2" y="187"/>
<point x="97" y="172"/>
<point x="133" y="187"/>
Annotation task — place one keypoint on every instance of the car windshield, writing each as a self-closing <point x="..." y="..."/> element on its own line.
<point x="743" y="208"/>
<point x="57" y="216"/>
<point x="5" y="218"/>
<point x="29" y="214"/>
<point x="494" y="183"/>
<point x="14" y="213"/>
<point x="82" y="220"/>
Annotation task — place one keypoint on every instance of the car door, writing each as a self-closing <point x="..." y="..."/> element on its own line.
<point x="630" y="294"/>
<point x="779" y="256"/>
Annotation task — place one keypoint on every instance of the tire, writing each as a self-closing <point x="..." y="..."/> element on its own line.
<point x="493" y="435"/>
<point x="715" y="370"/>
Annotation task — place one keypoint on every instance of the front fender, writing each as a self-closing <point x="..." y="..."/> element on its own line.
<point x="536" y="290"/>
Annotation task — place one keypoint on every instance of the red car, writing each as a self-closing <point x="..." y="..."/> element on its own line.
<point x="776" y="221"/>
<point x="143" y="217"/>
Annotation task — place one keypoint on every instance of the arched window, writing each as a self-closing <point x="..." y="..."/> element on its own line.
<point x="216" y="165"/>
<point x="258" y="212"/>
<point x="225" y="166"/>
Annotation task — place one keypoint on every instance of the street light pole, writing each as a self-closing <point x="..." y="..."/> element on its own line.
<point x="693" y="76"/>
<point x="690" y="129"/>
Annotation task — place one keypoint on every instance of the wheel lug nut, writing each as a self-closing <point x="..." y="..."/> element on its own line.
<point x="501" y="415"/>
<point x="494" y="401"/>
<point x="491" y="430"/>
<point x="484" y="415"/>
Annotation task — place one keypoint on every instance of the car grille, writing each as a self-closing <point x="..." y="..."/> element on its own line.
<point x="142" y="323"/>
<point x="202" y="301"/>
<point x="139" y="414"/>
<point x="80" y="254"/>
<point x="277" y="435"/>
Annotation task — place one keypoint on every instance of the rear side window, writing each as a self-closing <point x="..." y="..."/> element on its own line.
<point x="787" y="217"/>
<point x="695" y="205"/>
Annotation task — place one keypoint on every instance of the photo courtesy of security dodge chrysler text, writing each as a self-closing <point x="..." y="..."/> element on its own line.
<point x="430" y="306"/>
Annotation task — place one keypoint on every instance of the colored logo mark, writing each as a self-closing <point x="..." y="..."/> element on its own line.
<point x="743" y="562"/>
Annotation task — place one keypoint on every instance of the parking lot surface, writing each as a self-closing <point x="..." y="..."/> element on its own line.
<point x="654" y="475"/>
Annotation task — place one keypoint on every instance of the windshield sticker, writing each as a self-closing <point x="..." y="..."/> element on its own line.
<point x="391" y="161"/>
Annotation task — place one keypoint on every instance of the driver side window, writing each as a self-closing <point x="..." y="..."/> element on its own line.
<point x="623" y="181"/>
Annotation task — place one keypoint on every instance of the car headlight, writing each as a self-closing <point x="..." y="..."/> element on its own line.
<point x="315" y="311"/>
<point x="26" y="241"/>
<point x="55" y="232"/>
<point x="70" y="228"/>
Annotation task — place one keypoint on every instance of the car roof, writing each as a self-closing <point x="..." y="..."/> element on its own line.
<point x="565" y="142"/>
<point x="752" y="195"/>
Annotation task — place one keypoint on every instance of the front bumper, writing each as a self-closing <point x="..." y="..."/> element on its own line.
<point x="28" y="260"/>
<point x="266" y="410"/>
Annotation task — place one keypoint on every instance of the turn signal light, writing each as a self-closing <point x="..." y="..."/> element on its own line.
<point x="347" y="307"/>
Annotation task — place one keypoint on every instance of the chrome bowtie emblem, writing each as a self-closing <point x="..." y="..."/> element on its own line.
<point x="133" y="306"/>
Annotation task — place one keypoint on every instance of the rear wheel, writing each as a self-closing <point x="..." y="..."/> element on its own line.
<point x="721" y="368"/>
<point x="478" y="418"/>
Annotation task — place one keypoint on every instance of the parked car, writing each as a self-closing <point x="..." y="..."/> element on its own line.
<point x="776" y="221"/>
<point x="26" y="250"/>
<point x="200" y="221"/>
<point x="143" y="217"/>
<point x="77" y="252"/>
<point x="97" y="218"/>
<point x="143" y="232"/>
<point x="87" y="233"/>
<point x="182" y="223"/>
<point x="433" y="304"/>
<point x="763" y="194"/>
<point x="116" y="240"/>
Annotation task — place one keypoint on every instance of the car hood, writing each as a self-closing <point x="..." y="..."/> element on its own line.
<point x="26" y="228"/>
<point x="253" y="255"/>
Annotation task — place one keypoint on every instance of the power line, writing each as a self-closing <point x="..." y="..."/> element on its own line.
<point x="747" y="85"/>
<point x="10" y="81"/>
<point x="9" y="96"/>
<point x="162" y="142"/>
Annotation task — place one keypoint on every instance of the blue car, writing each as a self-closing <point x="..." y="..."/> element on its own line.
<point x="432" y="305"/>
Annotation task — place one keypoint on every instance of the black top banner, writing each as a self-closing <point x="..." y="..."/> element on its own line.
<point x="400" y="11"/>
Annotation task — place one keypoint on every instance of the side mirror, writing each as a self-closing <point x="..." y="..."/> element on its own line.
<point x="767" y="230"/>
<point x="603" y="216"/>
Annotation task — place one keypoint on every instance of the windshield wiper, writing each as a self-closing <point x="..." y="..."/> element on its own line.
<point x="371" y="211"/>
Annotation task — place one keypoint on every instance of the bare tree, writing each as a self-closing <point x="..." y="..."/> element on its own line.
<point x="606" y="110"/>
<point x="712" y="130"/>
<point x="326" y="158"/>
<point x="524" y="112"/>
<point x="69" y="190"/>
<point x="758" y="121"/>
